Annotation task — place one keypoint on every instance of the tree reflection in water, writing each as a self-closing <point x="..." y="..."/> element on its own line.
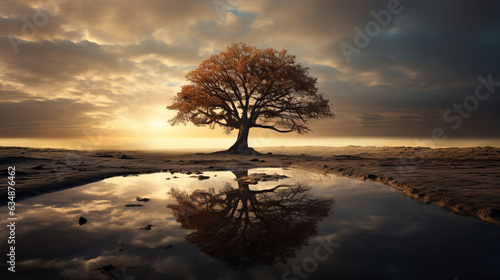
<point x="244" y="227"/>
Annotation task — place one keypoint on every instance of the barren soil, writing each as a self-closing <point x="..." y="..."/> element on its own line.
<point x="463" y="180"/>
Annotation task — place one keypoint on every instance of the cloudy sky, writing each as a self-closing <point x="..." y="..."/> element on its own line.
<point x="74" y="68"/>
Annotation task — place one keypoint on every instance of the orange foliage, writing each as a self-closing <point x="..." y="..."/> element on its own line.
<point x="244" y="87"/>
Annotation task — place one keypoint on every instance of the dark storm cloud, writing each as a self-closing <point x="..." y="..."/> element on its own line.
<point x="442" y="41"/>
<point x="130" y="21"/>
<point x="175" y="53"/>
<point x="424" y="61"/>
<point x="48" y="118"/>
<point x="13" y="96"/>
<point x="23" y="26"/>
<point x="58" y="61"/>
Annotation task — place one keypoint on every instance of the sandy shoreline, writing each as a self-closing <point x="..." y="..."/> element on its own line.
<point x="463" y="180"/>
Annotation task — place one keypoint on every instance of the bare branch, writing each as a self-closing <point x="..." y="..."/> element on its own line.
<point x="245" y="87"/>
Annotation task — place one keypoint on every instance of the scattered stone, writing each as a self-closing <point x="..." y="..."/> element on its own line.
<point x="325" y="166"/>
<point x="134" y="205"/>
<point x="254" y="178"/>
<point x="104" y="155"/>
<point x="413" y="190"/>
<point x="254" y="159"/>
<point x="347" y="157"/>
<point x="210" y="167"/>
<point x="82" y="221"/>
<point x="269" y="153"/>
<point x="124" y="156"/>
<point x="492" y="212"/>
<point x="203" y="177"/>
<point x="372" y="176"/>
<point x="147" y="227"/>
<point x="262" y="160"/>
<point x="122" y="247"/>
<point x="144" y="199"/>
<point x="108" y="269"/>
<point x="248" y="181"/>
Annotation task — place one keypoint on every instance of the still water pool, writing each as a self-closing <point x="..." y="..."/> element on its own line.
<point x="287" y="224"/>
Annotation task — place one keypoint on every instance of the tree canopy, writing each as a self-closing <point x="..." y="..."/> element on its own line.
<point x="245" y="87"/>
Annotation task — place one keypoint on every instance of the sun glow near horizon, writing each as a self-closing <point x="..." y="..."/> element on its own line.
<point x="221" y="143"/>
<point x="125" y="70"/>
<point x="159" y="126"/>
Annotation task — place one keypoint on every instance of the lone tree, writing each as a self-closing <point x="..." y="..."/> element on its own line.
<point x="244" y="87"/>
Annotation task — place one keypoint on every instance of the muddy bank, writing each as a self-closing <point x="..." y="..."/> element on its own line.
<point x="463" y="180"/>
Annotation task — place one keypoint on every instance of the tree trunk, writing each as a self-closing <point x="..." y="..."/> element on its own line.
<point x="241" y="144"/>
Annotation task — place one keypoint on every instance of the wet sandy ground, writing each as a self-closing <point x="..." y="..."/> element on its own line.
<point x="464" y="180"/>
